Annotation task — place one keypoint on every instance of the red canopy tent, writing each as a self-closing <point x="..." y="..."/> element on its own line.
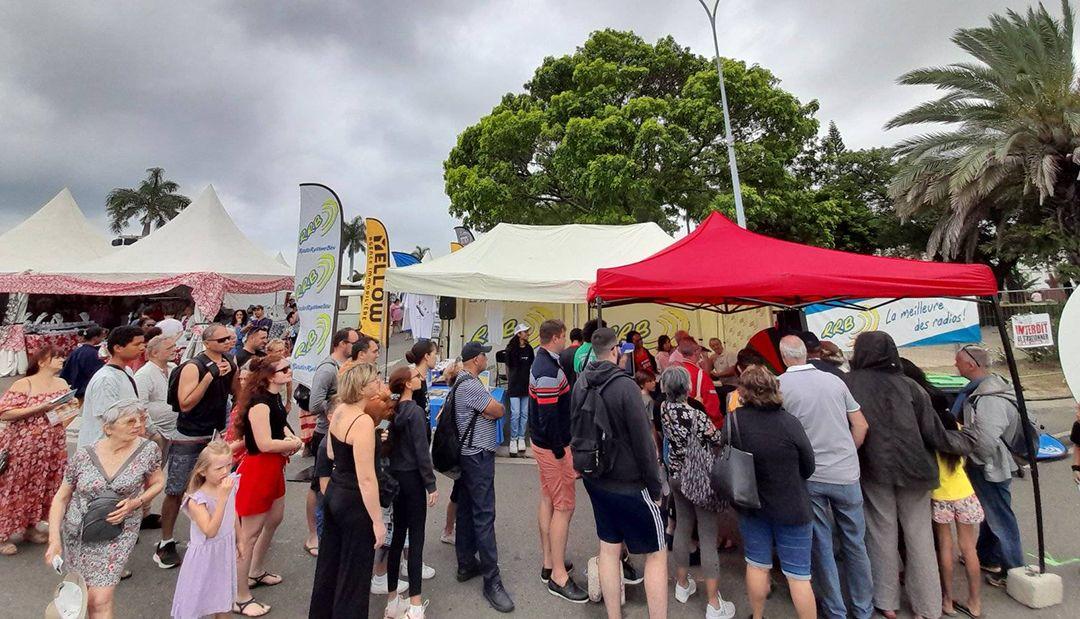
<point x="728" y="269"/>
<point x="723" y="266"/>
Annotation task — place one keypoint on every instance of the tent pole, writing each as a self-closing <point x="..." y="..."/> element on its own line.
<point x="599" y="310"/>
<point x="1026" y="426"/>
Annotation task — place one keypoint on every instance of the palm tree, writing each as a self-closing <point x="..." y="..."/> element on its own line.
<point x="353" y="238"/>
<point x="1007" y="163"/>
<point x="154" y="203"/>
<point x="419" y="252"/>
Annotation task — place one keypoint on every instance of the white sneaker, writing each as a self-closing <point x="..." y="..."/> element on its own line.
<point x="427" y="573"/>
<point x="396" y="608"/>
<point x="683" y="594"/>
<point x="380" y="586"/>
<point x="726" y="610"/>
<point x="417" y="612"/>
<point x="513" y="446"/>
<point x="522" y="447"/>
<point x="448" y="538"/>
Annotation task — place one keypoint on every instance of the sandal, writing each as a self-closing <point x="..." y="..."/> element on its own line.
<point x="312" y="550"/>
<point x="960" y="607"/>
<point x="240" y="608"/>
<point x="37" y="537"/>
<point x="254" y="582"/>
<point x="7" y="549"/>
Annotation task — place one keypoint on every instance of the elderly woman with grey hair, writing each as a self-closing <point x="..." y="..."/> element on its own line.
<point x="685" y="426"/>
<point x="94" y="519"/>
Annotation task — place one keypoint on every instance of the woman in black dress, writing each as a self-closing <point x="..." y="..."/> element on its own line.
<point x="352" y="522"/>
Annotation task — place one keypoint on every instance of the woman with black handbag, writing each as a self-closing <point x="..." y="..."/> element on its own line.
<point x="691" y="437"/>
<point x="783" y="460"/>
<point x="95" y="515"/>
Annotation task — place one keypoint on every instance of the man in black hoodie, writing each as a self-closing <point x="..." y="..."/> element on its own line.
<point x="626" y="497"/>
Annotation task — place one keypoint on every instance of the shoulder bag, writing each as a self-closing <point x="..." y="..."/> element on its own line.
<point x="95" y="527"/>
<point x="733" y="476"/>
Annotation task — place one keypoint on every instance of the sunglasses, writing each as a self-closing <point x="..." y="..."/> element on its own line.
<point x="222" y="340"/>
<point x="971" y="356"/>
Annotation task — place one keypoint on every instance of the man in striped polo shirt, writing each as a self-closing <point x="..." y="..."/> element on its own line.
<point x="476" y="412"/>
<point x="549" y="426"/>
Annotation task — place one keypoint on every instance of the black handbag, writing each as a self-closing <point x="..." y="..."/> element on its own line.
<point x="733" y="476"/>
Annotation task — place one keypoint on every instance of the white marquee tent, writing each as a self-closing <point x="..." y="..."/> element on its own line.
<point x="550" y="264"/>
<point x="55" y="239"/>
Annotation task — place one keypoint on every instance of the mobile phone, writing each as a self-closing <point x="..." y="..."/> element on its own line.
<point x="627" y="347"/>
<point x="63" y="398"/>
<point x="58" y="564"/>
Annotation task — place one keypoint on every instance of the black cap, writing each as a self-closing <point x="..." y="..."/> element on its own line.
<point x="473" y="349"/>
<point x="810" y="340"/>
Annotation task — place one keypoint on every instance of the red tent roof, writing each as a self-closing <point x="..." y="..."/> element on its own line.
<point x="721" y="263"/>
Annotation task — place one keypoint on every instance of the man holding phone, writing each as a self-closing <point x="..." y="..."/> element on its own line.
<point x="202" y="394"/>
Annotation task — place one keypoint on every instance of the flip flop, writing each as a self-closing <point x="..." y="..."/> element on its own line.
<point x="7" y="549"/>
<point x="967" y="611"/>
<point x="312" y="550"/>
<point x="254" y="582"/>
<point x="239" y="608"/>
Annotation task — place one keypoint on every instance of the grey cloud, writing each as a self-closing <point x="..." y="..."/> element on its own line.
<point x="368" y="97"/>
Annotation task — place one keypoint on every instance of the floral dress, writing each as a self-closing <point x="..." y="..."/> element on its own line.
<point x="36" y="457"/>
<point x="677" y="419"/>
<point x="101" y="563"/>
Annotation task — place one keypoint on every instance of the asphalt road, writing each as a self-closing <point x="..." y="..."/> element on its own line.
<point x="26" y="582"/>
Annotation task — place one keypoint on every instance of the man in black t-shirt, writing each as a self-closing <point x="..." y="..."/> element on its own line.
<point x="254" y="346"/>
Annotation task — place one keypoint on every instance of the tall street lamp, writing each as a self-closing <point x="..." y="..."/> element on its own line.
<point x="739" y="214"/>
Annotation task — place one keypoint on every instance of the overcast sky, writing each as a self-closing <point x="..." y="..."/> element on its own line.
<point x="368" y="97"/>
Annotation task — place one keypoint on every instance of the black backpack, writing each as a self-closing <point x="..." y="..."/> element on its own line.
<point x="1021" y="445"/>
<point x="173" y="397"/>
<point x="447" y="441"/>
<point x="591" y="433"/>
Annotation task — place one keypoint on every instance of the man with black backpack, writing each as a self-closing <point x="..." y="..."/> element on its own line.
<point x="613" y="449"/>
<point x="475" y="414"/>
<point x="988" y="406"/>
<point x="199" y="392"/>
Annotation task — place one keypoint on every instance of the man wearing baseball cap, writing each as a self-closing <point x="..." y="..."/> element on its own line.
<point x="476" y="413"/>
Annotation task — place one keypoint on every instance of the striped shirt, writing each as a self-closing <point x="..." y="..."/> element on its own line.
<point x="549" y="410"/>
<point x="470" y="398"/>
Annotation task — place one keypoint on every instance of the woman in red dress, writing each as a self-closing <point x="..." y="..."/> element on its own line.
<point x="34" y="447"/>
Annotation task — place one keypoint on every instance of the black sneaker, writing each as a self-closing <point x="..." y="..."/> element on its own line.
<point x="997" y="580"/>
<point x="166" y="556"/>
<point x="545" y="573"/>
<point x="497" y="596"/>
<point x="630" y="574"/>
<point x="570" y="592"/>
<point x="467" y="573"/>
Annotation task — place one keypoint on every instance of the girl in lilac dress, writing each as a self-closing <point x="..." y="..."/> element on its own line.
<point x="207" y="581"/>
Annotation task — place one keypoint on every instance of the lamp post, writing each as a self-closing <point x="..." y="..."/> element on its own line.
<point x="739" y="214"/>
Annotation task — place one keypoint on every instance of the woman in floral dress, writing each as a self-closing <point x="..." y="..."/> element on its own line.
<point x="36" y="453"/>
<point x="130" y="466"/>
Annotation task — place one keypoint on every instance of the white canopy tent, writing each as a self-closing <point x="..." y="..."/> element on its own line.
<point x="55" y="239"/>
<point x="549" y="264"/>
<point x="201" y="239"/>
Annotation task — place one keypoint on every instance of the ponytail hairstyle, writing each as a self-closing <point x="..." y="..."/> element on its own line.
<point x="216" y="447"/>
<point x="421" y="349"/>
<point x="398" y="383"/>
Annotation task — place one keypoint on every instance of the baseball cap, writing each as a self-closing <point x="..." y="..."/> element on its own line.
<point x="473" y="349"/>
<point x="521" y="327"/>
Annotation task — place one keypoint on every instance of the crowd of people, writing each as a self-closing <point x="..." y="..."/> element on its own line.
<point x="863" y="469"/>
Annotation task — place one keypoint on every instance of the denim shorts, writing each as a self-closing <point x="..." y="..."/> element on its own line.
<point x="792" y="543"/>
<point x="182" y="458"/>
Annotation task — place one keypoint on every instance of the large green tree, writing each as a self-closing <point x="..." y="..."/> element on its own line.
<point x="1001" y="178"/>
<point x="624" y="131"/>
<point x="153" y="203"/>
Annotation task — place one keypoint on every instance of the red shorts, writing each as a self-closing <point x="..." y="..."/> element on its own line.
<point x="262" y="481"/>
<point x="557" y="478"/>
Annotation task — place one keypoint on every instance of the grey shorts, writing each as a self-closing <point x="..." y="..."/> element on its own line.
<point x="182" y="458"/>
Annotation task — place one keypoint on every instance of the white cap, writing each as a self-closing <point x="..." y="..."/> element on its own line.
<point x="521" y="328"/>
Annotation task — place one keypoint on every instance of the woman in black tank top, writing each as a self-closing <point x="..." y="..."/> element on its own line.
<point x="352" y="518"/>
<point x="260" y="499"/>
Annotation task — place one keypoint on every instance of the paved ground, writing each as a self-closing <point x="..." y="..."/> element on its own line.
<point x="27" y="582"/>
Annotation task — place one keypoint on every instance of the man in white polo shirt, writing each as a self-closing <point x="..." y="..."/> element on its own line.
<point x="836" y="427"/>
